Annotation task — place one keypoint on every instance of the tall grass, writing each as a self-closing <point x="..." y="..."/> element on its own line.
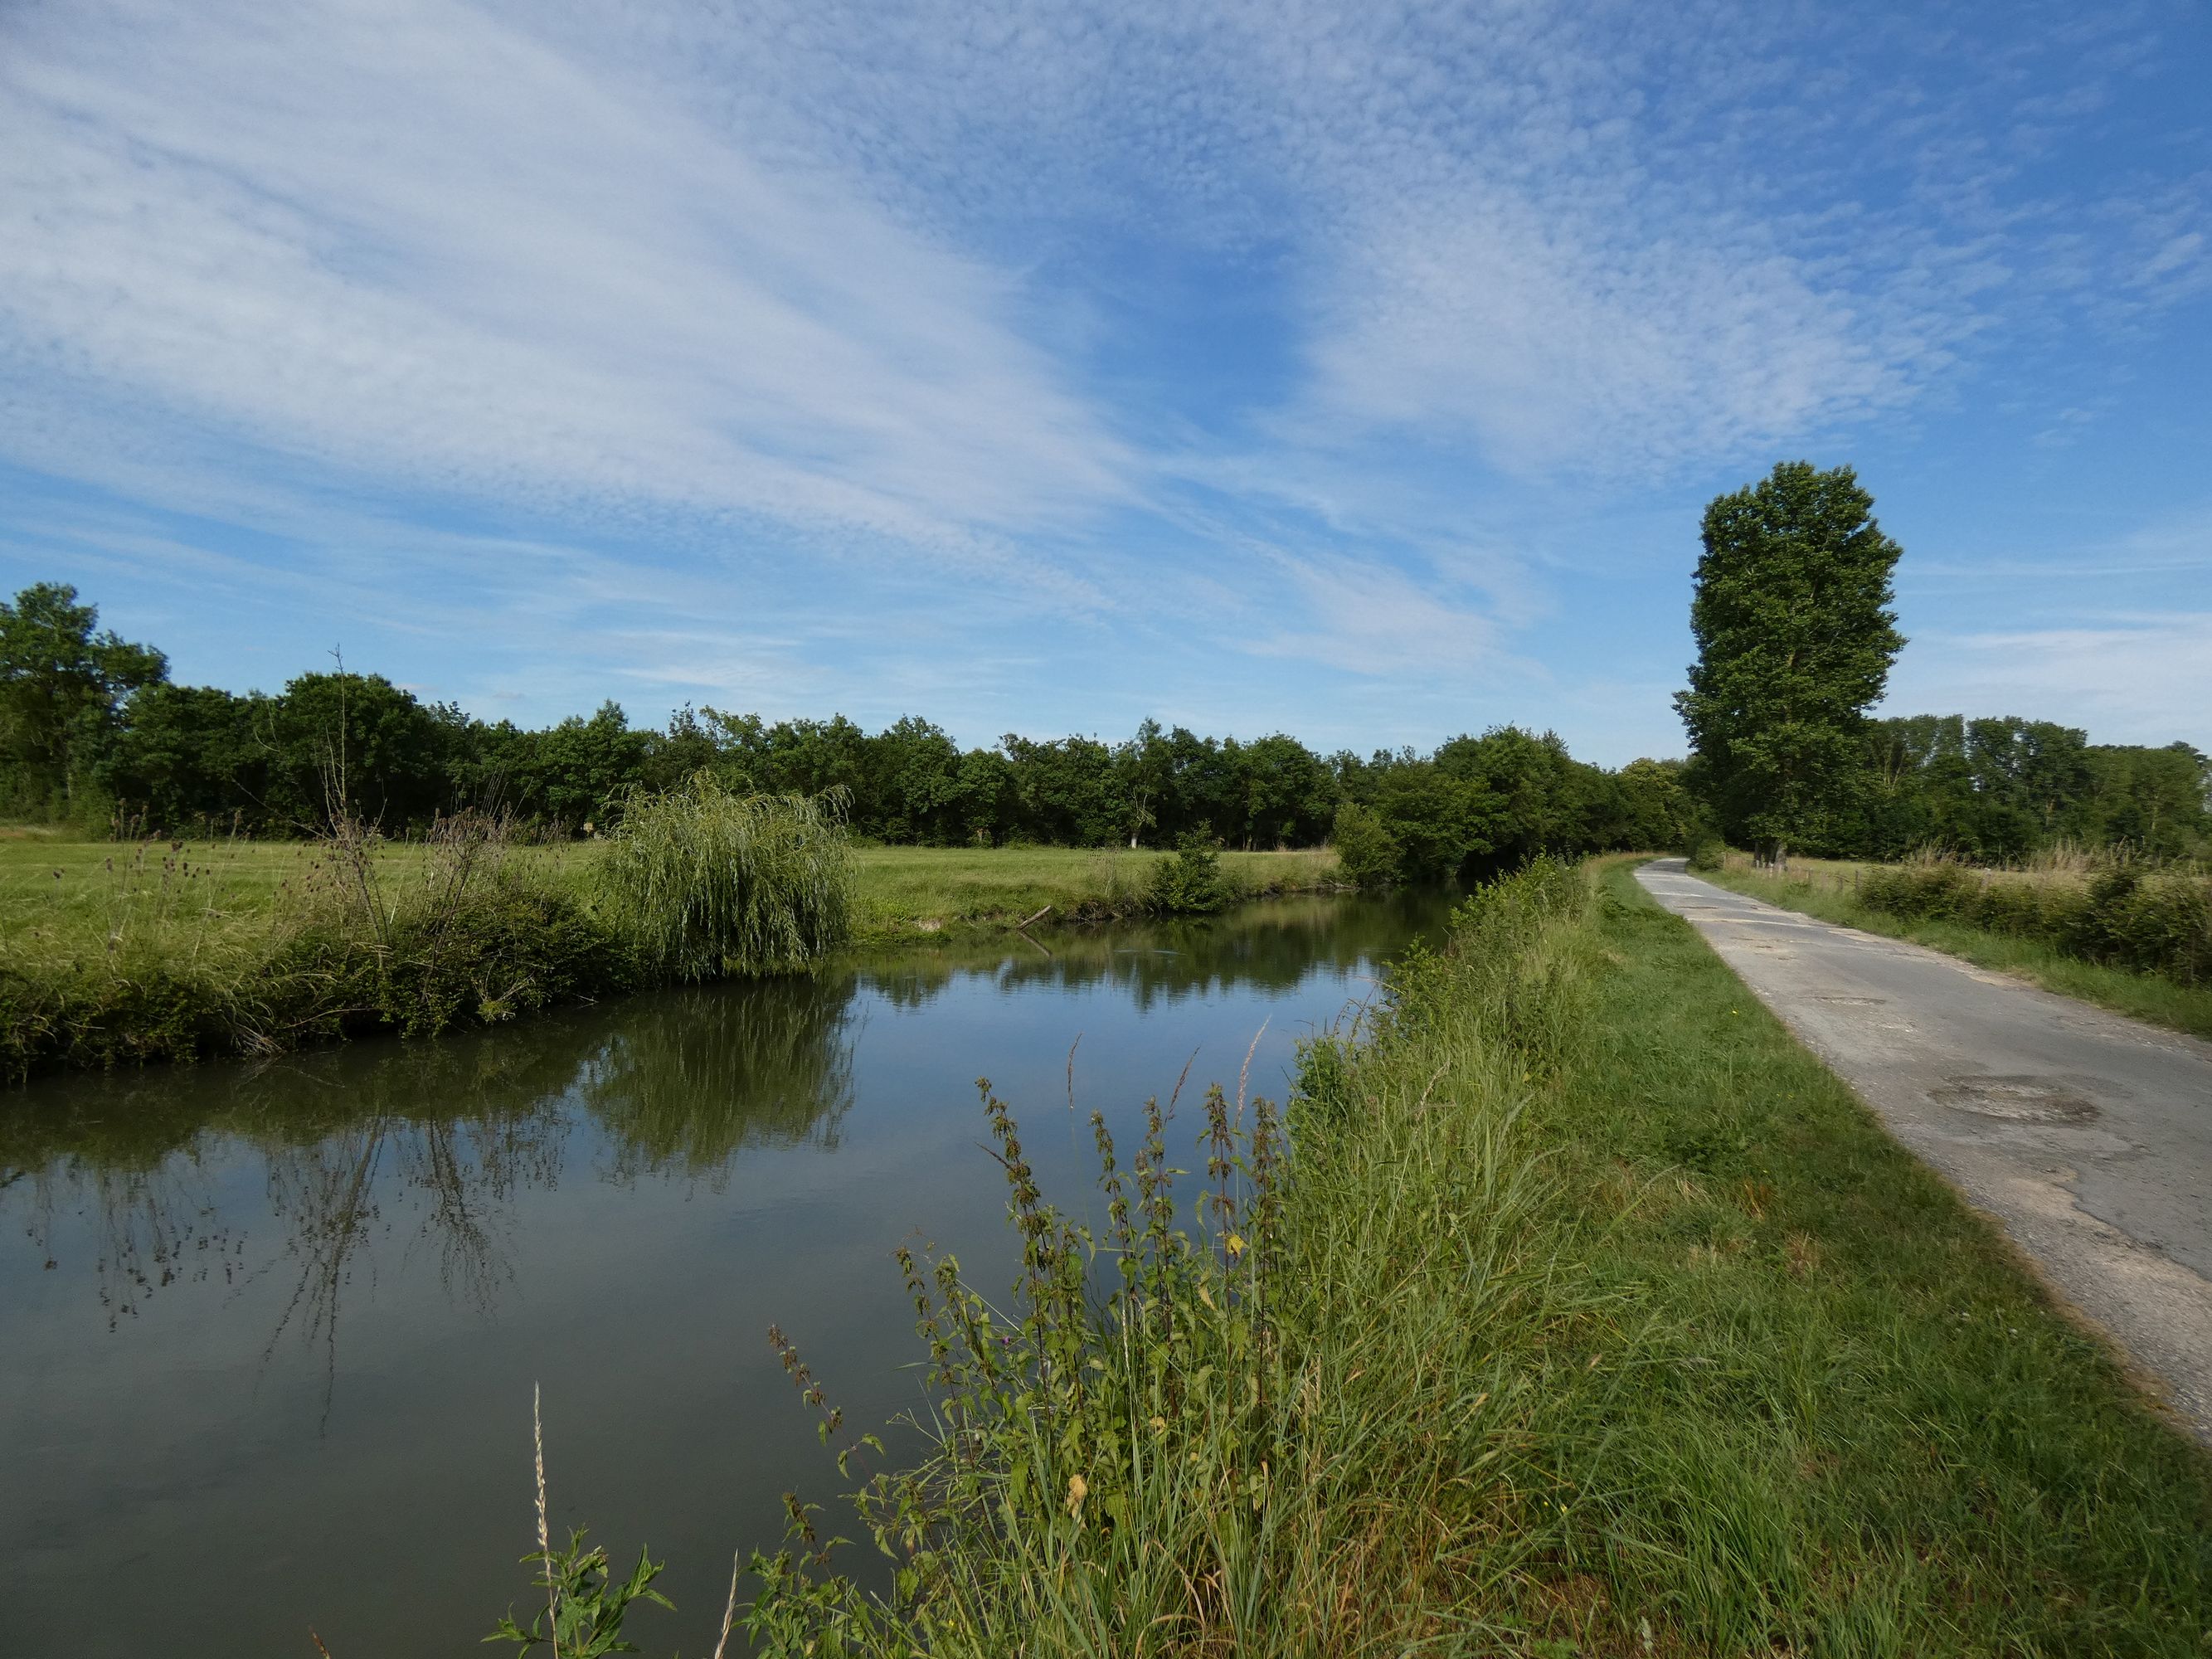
<point x="709" y="882"/>
<point x="167" y="958"/>
<point x="1572" y="1308"/>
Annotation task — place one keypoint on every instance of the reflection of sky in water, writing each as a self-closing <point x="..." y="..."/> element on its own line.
<point x="270" y="1330"/>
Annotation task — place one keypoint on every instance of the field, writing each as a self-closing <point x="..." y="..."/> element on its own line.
<point x="1828" y="888"/>
<point x="64" y="901"/>
<point x="902" y="889"/>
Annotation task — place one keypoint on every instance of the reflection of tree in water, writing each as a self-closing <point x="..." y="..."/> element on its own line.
<point x="695" y="1076"/>
<point x="430" y="1142"/>
<point x="1271" y="946"/>
<point x="450" y="1178"/>
<point x="155" y="1226"/>
<point x="424" y="1143"/>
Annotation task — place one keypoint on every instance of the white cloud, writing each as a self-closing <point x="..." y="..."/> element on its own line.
<point x="416" y="248"/>
<point x="2126" y="678"/>
<point x="758" y="286"/>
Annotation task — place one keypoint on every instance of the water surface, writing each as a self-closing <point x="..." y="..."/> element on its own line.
<point x="268" y="1332"/>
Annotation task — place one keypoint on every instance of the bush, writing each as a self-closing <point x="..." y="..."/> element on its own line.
<point x="2126" y="915"/>
<point x="1709" y="853"/>
<point x="708" y="882"/>
<point x="1191" y="883"/>
<point x="1368" y="851"/>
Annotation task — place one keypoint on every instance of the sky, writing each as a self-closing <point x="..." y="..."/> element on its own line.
<point x="1358" y="371"/>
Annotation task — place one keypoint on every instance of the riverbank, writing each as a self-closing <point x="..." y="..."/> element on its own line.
<point x="904" y="892"/>
<point x="1832" y="891"/>
<point x="122" y="953"/>
<point x="1596" y="1315"/>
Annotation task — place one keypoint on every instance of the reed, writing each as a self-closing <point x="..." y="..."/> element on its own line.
<point x="708" y="882"/>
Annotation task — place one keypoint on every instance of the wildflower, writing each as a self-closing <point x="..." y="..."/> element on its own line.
<point x="1078" y="1490"/>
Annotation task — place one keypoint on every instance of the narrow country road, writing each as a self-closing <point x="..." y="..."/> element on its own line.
<point x="2088" y="1135"/>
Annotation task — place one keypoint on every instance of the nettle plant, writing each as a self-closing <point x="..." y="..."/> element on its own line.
<point x="1096" y="1450"/>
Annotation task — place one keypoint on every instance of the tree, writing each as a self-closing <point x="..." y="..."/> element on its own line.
<point x="62" y="688"/>
<point x="1794" y="640"/>
<point x="357" y="743"/>
<point x="191" y="757"/>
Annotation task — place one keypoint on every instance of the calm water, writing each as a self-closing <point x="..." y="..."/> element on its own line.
<point x="268" y="1332"/>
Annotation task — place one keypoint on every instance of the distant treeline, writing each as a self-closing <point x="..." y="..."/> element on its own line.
<point x="95" y="733"/>
<point x="1999" y="790"/>
<point x="92" y="732"/>
<point x="197" y="760"/>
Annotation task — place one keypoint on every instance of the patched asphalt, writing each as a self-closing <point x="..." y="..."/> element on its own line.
<point x="2086" y="1135"/>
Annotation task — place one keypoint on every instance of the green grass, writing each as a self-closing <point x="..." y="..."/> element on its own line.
<point x="232" y="887"/>
<point x="1824" y="889"/>
<point x="922" y="889"/>
<point x="1594" y="1316"/>
<point x="124" y="953"/>
<point x="1845" y="1419"/>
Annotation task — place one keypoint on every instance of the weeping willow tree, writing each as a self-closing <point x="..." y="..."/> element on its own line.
<point x="709" y="882"/>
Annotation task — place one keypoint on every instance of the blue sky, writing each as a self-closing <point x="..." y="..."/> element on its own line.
<point x="1355" y="371"/>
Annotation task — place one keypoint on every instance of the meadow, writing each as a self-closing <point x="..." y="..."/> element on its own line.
<point x="64" y="897"/>
<point x="118" y="953"/>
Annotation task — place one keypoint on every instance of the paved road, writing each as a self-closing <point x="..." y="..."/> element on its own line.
<point x="2089" y="1136"/>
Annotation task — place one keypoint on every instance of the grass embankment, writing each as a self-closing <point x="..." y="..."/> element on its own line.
<point x="1592" y="1315"/>
<point x="66" y="897"/>
<point x="903" y="890"/>
<point x="1837" y="891"/>
<point x="113" y="953"/>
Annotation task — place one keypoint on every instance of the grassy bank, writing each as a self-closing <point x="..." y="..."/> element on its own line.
<point x="1588" y="1314"/>
<point x="118" y="954"/>
<point x="67" y="897"/>
<point x="1837" y="891"/>
<point x="906" y="890"/>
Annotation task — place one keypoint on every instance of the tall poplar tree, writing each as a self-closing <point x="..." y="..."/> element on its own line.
<point x="1794" y="640"/>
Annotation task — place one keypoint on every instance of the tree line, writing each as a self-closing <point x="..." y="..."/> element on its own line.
<point x="94" y="731"/>
<point x="1790" y="611"/>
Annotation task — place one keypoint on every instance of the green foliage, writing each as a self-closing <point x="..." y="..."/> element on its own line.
<point x="63" y="688"/>
<point x="2127" y="914"/>
<point x="1441" y="820"/>
<point x="2004" y="789"/>
<point x="709" y="882"/>
<point x="1366" y="850"/>
<point x="1190" y="883"/>
<point x="587" y="1602"/>
<point x="1795" y="641"/>
<point x="1709" y="853"/>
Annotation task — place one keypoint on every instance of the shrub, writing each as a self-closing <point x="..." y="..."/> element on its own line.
<point x="2155" y="921"/>
<point x="1709" y="853"/>
<point x="1367" y="850"/>
<point x="1191" y="882"/>
<point x="706" y="881"/>
<point x="1938" y="890"/>
<point x="2126" y="915"/>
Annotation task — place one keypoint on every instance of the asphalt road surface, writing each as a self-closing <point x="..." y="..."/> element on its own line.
<point x="2088" y="1135"/>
